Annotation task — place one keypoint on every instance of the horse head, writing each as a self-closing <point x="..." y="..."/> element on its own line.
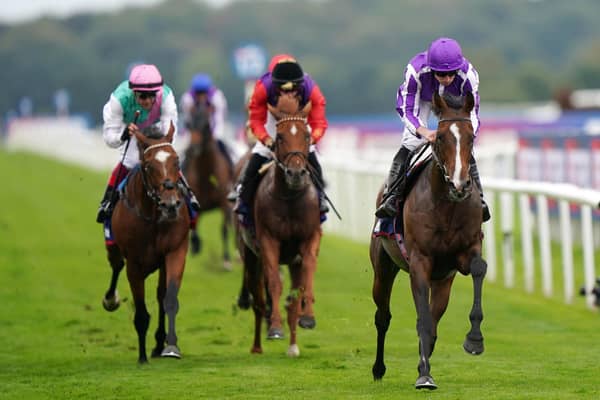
<point x="200" y="128"/>
<point x="292" y="141"/>
<point x="453" y="146"/>
<point x="160" y="170"/>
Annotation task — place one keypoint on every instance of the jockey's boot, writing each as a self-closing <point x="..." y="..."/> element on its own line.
<point x="249" y="181"/>
<point x="106" y="204"/>
<point x="317" y="178"/>
<point x="475" y="176"/>
<point x="187" y="192"/>
<point x="394" y="189"/>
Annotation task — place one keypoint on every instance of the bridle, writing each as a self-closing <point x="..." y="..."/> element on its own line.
<point x="167" y="184"/>
<point x="435" y="146"/>
<point x="283" y="164"/>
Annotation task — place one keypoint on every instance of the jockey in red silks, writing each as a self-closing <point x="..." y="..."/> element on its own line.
<point x="443" y="69"/>
<point x="284" y="77"/>
<point x="144" y="93"/>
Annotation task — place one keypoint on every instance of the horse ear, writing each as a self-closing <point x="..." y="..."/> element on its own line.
<point x="306" y="110"/>
<point x="438" y="102"/>
<point x="274" y="111"/>
<point x="171" y="132"/>
<point x="141" y="138"/>
<point x="469" y="102"/>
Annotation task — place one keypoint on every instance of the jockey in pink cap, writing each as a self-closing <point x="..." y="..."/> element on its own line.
<point x="142" y="101"/>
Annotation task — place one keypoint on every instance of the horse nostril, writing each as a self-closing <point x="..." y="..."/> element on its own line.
<point x="303" y="172"/>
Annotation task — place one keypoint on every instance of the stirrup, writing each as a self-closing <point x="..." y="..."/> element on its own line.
<point x="387" y="209"/>
<point x="232" y="195"/>
<point x="103" y="212"/>
<point x="194" y="203"/>
<point x="486" y="211"/>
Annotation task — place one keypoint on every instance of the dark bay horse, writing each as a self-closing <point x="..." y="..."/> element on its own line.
<point x="150" y="227"/>
<point x="287" y="228"/>
<point x="210" y="176"/>
<point x="442" y="234"/>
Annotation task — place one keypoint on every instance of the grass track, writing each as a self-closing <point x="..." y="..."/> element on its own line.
<point x="59" y="343"/>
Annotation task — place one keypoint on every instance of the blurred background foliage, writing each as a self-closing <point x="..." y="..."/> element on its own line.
<point x="356" y="50"/>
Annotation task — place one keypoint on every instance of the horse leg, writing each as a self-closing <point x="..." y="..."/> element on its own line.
<point x="473" y="343"/>
<point x="244" y="300"/>
<point x="174" y="264"/>
<point x="195" y="241"/>
<point x="420" y="286"/>
<point x="309" y="261"/>
<point x="225" y="238"/>
<point x="385" y="272"/>
<point x="270" y="261"/>
<point x="160" y="334"/>
<point x="255" y="284"/>
<point x="293" y="306"/>
<point x="440" y="295"/>
<point x="141" y="319"/>
<point x="111" y="299"/>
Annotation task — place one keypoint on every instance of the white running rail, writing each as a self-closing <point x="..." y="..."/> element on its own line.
<point x="353" y="187"/>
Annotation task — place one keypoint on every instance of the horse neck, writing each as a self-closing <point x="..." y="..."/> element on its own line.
<point x="439" y="186"/>
<point x="137" y="195"/>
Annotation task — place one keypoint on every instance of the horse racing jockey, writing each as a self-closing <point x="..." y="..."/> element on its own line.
<point x="203" y="91"/>
<point x="285" y="77"/>
<point x="441" y="68"/>
<point x="145" y="93"/>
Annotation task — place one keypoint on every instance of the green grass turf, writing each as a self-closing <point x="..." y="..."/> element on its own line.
<point x="59" y="343"/>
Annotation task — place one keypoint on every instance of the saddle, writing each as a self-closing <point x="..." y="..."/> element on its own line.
<point x="393" y="228"/>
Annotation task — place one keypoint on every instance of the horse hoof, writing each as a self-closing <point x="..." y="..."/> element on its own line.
<point x="194" y="245"/>
<point x="425" y="382"/>
<point x="244" y="302"/>
<point x="275" y="333"/>
<point x="156" y="352"/>
<point x="378" y="372"/>
<point x="293" y="350"/>
<point x="473" y="347"/>
<point x="256" y="350"/>
<point x="227" y="266"/>
<point x="171" y="351"/>
<point x="111" y="304"/>
<point x="307" y="322"/>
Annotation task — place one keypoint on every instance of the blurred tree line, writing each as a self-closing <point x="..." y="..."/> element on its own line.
<point x="524" y="50"/>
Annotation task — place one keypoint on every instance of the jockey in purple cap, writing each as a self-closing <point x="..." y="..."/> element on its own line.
<point x="441" y="68"/>
<point x="202" y="90"/>
<point x="143" y="101"/>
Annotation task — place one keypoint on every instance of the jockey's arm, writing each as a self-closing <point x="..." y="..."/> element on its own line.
<point x="113" y="126"/>
<point x="219" y="114"/>
<point x="257" y="112"/>
<point x="168" y="114"/>
<point x="317" y="119"/>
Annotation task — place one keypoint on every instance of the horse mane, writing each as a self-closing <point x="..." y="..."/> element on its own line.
<point x="455" y="102"/>
<point x="153" y="132"/>
<point x="288" y="105"/>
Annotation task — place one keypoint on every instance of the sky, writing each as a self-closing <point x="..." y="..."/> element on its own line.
<point x="27" y="10"/>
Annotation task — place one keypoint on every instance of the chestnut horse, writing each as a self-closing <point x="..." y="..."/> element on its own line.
<point x="287" y="228"/>
<point x="210" y="176"/>
<point x="442" y="234"/>
<point x="150" y="226"/>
